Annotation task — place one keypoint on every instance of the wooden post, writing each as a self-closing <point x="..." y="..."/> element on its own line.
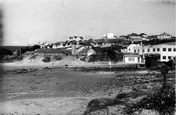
<point x="164" y="70"/>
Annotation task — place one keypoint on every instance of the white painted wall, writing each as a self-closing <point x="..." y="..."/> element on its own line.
<point x="162" y="53"/>
<point x="130" y="48"/>
<point x="128" y="59"/>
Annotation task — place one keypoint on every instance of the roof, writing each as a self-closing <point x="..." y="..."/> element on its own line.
<point x="131" y="54"/>
<point x="99" y="41"/>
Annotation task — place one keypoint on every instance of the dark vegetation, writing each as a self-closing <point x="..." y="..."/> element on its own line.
<point x="162" y="102"/>
<point x="33" y="48"/>
<point x="160" y="99"/>
<point x="46" y="59"/>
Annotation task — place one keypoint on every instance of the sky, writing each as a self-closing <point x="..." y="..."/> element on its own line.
<point x="28" y="22"/>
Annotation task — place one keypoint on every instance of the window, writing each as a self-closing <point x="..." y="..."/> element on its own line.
<point x="130" y="59"/>
<point x="138" y="50"/>
<point x="153" y="49"/>
<point x="164" y="49"/>
<point x="169" y="57"/>
<point x="169" y="49"/>
<point x="158" y="49"/>
<point x="134" y="51"/>
<point x="129" y="49"/>
<point x="164" y="57"/>
<point x="148" y="50"/>
<point x="143" y="50"/>
<point x="174" y="49"/>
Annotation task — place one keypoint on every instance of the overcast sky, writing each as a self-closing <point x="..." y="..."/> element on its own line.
<point x="32" y="21"/>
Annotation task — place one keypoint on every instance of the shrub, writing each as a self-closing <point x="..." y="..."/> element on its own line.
<point x="46" y="59"/>
<point x="57" y="58"/>
<point x="162" y="101"/>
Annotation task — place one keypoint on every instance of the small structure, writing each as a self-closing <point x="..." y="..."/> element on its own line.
<point x="131" y="58"/>
<point x="164" y="36"/>
<point x="110" y="35"/>
<point x="130" y="48"/>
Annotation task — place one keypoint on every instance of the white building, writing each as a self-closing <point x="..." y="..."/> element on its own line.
<point x="132" y="58"/>
<point x="76" y="38"/>
<point x="164" y="36"/>
<point x="110" y="35"/>
<point x="166" y="51"/>
<point x="130" y="48"/>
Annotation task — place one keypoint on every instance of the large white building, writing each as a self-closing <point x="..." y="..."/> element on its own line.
<point x="166" y="51"/>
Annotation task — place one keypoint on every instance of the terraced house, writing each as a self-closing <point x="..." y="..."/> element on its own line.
<point x="166" y="51"/>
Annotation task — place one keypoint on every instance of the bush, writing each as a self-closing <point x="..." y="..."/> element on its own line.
<point x="57" y="58"/>
<point x="163" y="102"/>
<point x="46" y="59"/>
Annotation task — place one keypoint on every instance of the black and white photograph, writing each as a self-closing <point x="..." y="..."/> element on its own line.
<point x="87" y="57"/>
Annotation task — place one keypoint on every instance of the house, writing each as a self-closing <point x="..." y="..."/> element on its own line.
<point x="44" y="45"/>
<point x="110" y="35"/>
<point x="76" y="38"/>
<point x="166" y="51"/>
<point x="135" y="37"/>
<point x="131" y="58"/>
<point x="130" y="48"/>
<point x="164" y="36"/>
<point x="57" y="45"/>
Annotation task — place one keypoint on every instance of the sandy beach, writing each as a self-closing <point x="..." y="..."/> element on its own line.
<point x="56" y="89"/>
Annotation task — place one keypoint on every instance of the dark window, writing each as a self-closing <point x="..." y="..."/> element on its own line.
<point x="134" y="51"/>
<point x="158" y="49"/>
<point x="153" y="49"/>
<point x="174" y="49"/>
<point x="169" y="57"/>
<point x="131" y="59"/>
<point x="164" y="49"/>
<point x="148" y="50"/>
<point x="143" y="50"/>
<point x="169" y="49"/>
<point x="164" y="57"/>
<point x="138" y="50"/>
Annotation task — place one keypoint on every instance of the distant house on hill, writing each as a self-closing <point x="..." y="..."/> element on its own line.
<point x="152" y="37"/>
<point x="164" y="36"/>
<point x="44" y="45"/>
<point x="76" y="38"/>
<point x="130" y="48"/>
<point x="135" y="37"/>
<point x="124" y="37"/>
<point x="57" y="45"/>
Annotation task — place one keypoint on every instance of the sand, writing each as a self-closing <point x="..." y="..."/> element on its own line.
<point x="34" y="87"/>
